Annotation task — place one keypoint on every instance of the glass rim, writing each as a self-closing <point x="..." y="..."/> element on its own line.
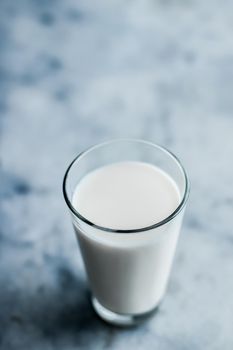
<point x="146" y="228"/>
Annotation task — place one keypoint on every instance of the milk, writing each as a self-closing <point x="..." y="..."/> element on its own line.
<point x="128" y="272"/>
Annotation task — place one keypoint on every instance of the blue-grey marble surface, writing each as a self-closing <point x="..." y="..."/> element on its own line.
<point x="74" y="73"/>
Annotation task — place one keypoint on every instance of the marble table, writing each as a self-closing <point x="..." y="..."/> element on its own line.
<point x="74" y="73"/>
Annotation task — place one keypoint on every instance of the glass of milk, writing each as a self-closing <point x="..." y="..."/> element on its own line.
<point x="126" y="199"/>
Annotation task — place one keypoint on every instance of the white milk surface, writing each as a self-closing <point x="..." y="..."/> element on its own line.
<point x="126" y="195"/>
<point x="128" y="278"/>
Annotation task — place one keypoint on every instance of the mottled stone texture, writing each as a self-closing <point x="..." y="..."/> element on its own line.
<point x="74" y="73"/>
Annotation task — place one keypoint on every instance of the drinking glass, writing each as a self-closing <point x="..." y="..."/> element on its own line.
<point x="127" y="270"/>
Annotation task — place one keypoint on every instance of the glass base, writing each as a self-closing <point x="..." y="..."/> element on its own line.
<point x="122" y="320"/>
